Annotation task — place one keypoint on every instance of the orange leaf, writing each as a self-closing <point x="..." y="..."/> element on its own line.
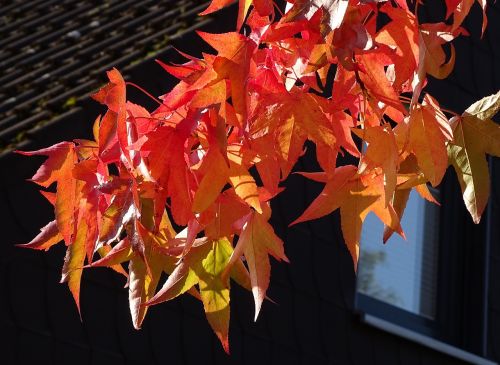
<point x="364" y="197"/>
<point x="376" y="82"/>
<point x="428" y="134"/>
<point x="243" y="183"/>
<point x="292" y="118"/>
<point x="334" y="193"/>
<point x="215" y="176"/>
<point x="58" y="168"/>
<point x="382" y="152"/>
<point x="73" y="263"/>
<point x="258" y="240"/>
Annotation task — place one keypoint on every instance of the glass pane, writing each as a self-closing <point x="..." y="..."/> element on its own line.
<point x="402" y="273"/>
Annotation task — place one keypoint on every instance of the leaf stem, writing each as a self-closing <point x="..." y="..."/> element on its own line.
<point x="144" y="91"/>
<point x="407" y="100"/>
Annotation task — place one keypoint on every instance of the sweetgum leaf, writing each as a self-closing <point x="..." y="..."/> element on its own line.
<point x="215" y="292"/>
<point x="333" y="11"/>
<point x="333" y="195"/>
<point x="356" y="197"/>
<point x="243" y="7"/>
<point x="364" y="197"/>
<point x="428" y="134"/>
<point x="401" y="34"/>
<point x="105" y="252"/>
<point x="233" y="63"/>
<point x="461" y="8"/>
<point x="432" y="38"/>
<point x="73" y="263"/>
<point x="204" y="265"/>
<point x="485" y="108"/>
<point x="412" y="178"/>
<point x="48" y="237"/>
<point x="242" y="181"/>
<point x="139" y="286"/>
<point x="216" y="175"/>
<point x="292" y="119"/>
<point x="252" y="106"/>
<point x="145" y="269"/>
<point x="225" y="214"/>
<point x="382" y="151"/>
<point x="115" y="255"/>
<point x="257" y="241"/>
<point x="58" y="168"/>
<point x="473" y="138"/>
<point x="55" y="167"/>
<point x="376" y="82"/>
<point x="182" y="279"/>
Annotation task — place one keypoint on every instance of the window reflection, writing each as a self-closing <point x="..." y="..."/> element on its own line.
<point x="402" y="273"/>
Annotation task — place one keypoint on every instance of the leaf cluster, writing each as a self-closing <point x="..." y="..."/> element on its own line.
<point x="246" y="112"/>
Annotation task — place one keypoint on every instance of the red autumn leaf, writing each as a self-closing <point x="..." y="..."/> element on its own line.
<point x="58" y="168"/>
<point x="374" y="79"/>
<point x="47" y="238"/>
<point x="333" y="11"/>
<point x="73" y="262"/>
<point x="292" y="119"/>
<point x="223" y="216"/>
<point x="432" y="38"/>
<point x="165" y="147"/>
<point x="244" y="5"/>
<point x="413" y="178"/>
<point x="120" y="253"/>
<point x="461" y="8"/>
<point x="232" y="63"/>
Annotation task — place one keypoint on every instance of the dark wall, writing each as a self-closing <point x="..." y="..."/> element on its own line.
<point x="313" y="321"/>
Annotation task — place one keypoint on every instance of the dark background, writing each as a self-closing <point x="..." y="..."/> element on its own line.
<point x="313" y="322"/>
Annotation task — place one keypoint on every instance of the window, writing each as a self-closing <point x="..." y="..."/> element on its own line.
<point x="402" y="273"/>
<point x="430" y="288"/>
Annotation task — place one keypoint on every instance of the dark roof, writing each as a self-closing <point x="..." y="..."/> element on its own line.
<point x="53" y="53"/>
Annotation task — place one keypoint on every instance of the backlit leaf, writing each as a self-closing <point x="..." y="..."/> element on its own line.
<point x="473" y="138"/>
<point x="257" y="241"/>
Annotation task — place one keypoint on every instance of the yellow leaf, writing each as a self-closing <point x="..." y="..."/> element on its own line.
<point x="214" y="292"/>
<point x="485" y="108"/>
<point x="474" y="136"/>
